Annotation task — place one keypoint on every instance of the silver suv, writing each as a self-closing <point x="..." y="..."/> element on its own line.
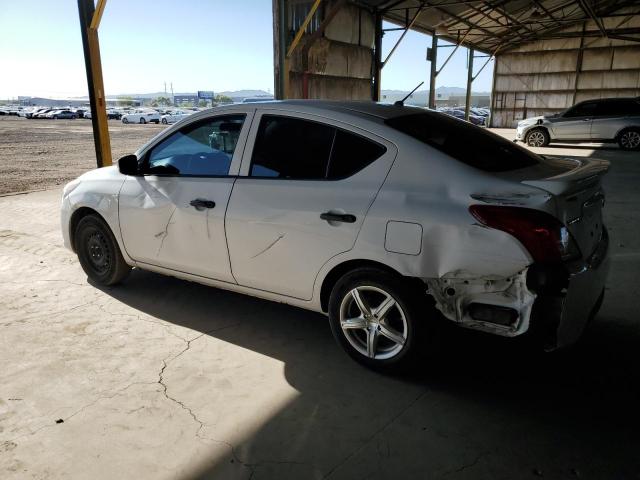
<point x="607" y="120"/>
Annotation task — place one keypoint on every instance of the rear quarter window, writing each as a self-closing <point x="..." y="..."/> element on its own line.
<point x="464" y="142"/>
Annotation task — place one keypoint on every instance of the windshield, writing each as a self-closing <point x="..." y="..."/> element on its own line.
<point x="465" y="142"/>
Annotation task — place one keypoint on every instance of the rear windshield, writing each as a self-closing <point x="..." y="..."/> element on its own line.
<point x="467" y="143"/>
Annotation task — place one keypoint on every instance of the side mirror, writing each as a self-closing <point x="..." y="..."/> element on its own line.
<point x="128" y="165"/>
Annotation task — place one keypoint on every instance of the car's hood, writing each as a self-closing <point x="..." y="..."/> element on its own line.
<point x="104" y="173"/>
<point x="531" y="120"/>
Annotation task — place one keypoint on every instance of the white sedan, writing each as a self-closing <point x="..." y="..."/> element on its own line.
<point x="383" y="217"/>
<point x="141" y="116"/>
<point x="174" y="116"/>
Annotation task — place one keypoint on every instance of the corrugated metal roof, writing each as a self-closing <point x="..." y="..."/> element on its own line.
<point x="498" y="25"/>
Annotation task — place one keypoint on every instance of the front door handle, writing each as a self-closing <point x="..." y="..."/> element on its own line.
<point x="201" y="204"/>
<point x="338" y="217"/>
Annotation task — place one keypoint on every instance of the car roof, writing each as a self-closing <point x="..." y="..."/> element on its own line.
<point x="362" y="108"/>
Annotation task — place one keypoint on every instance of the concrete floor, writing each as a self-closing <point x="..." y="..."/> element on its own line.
<point x="165" y="379"/>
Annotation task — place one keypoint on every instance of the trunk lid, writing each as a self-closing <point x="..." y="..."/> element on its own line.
<point x="576" y="185"/>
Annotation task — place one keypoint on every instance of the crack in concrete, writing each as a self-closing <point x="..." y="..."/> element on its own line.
<point x="364" y="444"/>
<point x="467" y="465"/>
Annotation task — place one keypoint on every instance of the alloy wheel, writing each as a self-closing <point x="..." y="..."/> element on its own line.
<point x="535" y="139"/>
<point x="373" y="322"/>
<point x="630" y="140"/>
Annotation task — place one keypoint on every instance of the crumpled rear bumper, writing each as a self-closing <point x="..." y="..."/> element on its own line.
<point x="567" y="315"/>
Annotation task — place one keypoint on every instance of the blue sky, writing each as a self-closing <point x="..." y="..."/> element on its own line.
<point x="196" y="44"/>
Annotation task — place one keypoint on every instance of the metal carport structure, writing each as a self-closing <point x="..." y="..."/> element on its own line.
<point x="548" y="54"/>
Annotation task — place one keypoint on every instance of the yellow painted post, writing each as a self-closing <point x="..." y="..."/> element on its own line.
<point x="101" y="104"/>
<point x="294" y="44"/>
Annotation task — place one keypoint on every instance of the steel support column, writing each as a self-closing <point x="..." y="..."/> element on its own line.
<point x="434" y="71"/>
<point x="470" y="78"/>
<point x="89" y="22"/>
<point x="377" y="59"/>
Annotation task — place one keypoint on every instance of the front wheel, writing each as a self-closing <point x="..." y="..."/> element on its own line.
<point x="142" y="120"/>
<point x="375" y="318"/>
<point x="538" y="137"/>
<point x="164" y="120"/>
<point x="629" y="139"/>
<point x="125" y="120"/>
<point x="98" y="251"/>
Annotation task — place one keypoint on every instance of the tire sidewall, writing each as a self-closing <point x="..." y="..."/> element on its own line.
<point x="85" y="227"/>
<point x="403" y="294"/>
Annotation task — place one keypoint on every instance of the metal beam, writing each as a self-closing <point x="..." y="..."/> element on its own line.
<point x="303" y="27"/>
<point x="470" y="77"/>
<point x="97" y="15"/>
<point x="434" y="71"/>
<point x="413" y="20"/>
<point x="586" y="8"/>
<point x="377" y="59"/>
<point x="93" y="66"/>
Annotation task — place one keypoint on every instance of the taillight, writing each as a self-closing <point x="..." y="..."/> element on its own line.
<point x="544" y="236"/>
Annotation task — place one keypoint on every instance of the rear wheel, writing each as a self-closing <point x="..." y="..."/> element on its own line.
<point x="375" y="318"/>
<point x="98" y="251"/>
<point x="538" y="137"/>
<point x="142" y="120"/>
<point x="125" y="120"/>
<point x="629" y="139"/>
<point x="164" y="120"/>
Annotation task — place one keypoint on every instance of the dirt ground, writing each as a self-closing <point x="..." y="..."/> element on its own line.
<point x="38" y="154"/>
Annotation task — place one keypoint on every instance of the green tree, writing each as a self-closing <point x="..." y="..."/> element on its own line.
<point x="223" y="99"/>
<point x="203" y="103"/>
<point x="125" y="101"/>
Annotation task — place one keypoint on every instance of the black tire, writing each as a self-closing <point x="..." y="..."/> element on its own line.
<point x="537" y="137"/>
<point x="405" y="318"/>
<point x="142" y="120"/>
<point x="164" y="121"/>
<point x="98" y="251"/>
<point x="125" y="120"/>
<point x="629" y="139"/>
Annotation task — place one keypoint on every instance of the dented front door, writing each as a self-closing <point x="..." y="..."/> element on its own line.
<point x="162" y="225"/>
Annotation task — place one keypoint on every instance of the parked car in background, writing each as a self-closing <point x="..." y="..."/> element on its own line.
<point x="384" y="217"/>
<point x="607" y="120"/>
<point x="475" y="119"/>
<point x="173" y="116"/>
<point x="42" y="113"/>
<point x="62" y="114"/>
<point x="141" y="116"/>
<point x="114" y="115"/>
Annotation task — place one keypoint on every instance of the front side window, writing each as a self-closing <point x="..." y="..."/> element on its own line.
<point x="581" y="110"/>
<point x="295" y="149"/>
<point x="203" y="148"/>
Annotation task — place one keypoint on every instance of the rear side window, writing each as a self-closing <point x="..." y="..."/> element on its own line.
<point x="296" y="149"/>
<point x="617" y="108"/>
<point x="466" y="143"/>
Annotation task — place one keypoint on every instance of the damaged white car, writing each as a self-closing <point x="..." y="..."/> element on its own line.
<point x="383" y="217"/>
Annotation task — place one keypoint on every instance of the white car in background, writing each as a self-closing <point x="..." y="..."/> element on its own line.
<point x="384" y="217"/>
<point x="174" y="116"/>
<point x="141" y="116"/>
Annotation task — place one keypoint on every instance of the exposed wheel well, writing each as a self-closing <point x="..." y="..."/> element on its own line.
<point x="78" y="215"/>
<point x="339" y="270"/>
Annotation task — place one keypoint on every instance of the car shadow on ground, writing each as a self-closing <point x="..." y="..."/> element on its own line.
<point x="480" y="408"/>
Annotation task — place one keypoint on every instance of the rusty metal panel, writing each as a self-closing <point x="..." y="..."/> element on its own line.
<point x="352" y="25"/>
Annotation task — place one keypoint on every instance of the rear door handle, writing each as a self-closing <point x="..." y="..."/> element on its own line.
<point x="338" y="217"/>
<point x="201" y="204"/>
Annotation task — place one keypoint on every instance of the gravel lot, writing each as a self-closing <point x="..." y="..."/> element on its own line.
<point x="38" y="154"/>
